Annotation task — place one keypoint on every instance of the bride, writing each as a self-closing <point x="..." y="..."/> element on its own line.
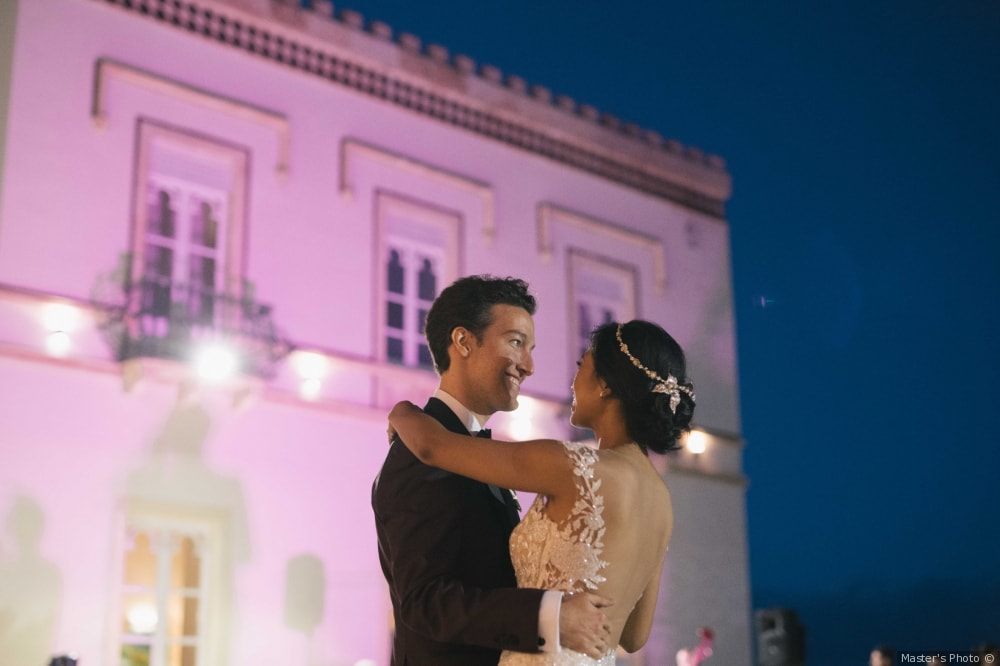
<point x="602" y="517"/>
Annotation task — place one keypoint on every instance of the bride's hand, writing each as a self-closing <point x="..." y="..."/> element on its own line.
<point x="399" y="411"/>
<point x="402" y="409"/>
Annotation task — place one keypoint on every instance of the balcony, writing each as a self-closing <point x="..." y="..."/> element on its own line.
<point x="158" y="318"/>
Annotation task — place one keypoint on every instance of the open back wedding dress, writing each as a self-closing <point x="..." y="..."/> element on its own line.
<point x="562" y="556"/>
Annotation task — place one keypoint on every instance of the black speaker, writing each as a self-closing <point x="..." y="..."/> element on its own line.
<point x="781" y="640"/>
<point x="63" y="660"/>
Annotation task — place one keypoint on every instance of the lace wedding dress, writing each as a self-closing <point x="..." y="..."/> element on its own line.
<point x="564" y="556"/>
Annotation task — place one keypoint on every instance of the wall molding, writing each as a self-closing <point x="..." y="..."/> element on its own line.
<point x="107" y="70"/>
<point x="351" y="149"/>
<point x="549" y="214"/>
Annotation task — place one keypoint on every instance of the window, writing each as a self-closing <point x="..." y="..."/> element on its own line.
<point x="187" y="245"/>
<point x="412" y="278"/>
<point x="603" y="291"/>
<point x="183" y="256"/>
<point x="164" y="596"/>
<point x="417" y="260"/>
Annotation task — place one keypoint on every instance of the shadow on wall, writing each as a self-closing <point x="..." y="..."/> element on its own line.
<point x="175" y="481"/>
<point x="30" y="588"/>
<point x="175" y="474"/>
<point x="305" y="592"/>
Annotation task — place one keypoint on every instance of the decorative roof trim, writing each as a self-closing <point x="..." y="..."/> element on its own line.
<point x="285" y="37"/>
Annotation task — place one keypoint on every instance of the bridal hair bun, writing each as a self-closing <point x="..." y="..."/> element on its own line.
<point x="669" y="386"/>
<point x="646" y="369"/>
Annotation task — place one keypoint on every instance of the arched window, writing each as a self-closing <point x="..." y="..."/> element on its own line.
<point x="419" y="247"/>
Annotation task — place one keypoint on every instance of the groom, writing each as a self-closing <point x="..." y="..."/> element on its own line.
<point x="443" y="538"/>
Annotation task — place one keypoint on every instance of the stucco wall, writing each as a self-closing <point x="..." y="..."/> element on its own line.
<point x="292" y="476"/>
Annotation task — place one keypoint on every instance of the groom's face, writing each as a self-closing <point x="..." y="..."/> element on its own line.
<point x="498" y="363"/>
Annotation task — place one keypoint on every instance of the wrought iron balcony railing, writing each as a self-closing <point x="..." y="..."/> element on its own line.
<point x="157" y="318"/>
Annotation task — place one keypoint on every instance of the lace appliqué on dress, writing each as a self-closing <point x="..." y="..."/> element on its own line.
<point x="562" y="556"/>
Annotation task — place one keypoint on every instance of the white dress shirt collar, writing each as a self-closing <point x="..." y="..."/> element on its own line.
<point x="472" y="421"/>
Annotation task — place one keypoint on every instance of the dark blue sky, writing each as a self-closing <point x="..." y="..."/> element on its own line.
<point x="864" y="143"/>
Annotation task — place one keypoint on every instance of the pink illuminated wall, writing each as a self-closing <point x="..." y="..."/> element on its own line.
<point x="301" y="169"/>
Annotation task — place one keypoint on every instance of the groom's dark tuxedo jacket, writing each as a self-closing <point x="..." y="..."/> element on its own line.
<point x="443" y="546"/>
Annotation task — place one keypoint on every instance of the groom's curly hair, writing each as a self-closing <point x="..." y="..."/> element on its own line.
<point x="468" y="302"/>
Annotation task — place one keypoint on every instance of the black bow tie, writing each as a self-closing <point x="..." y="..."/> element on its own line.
<point x="485" y="432"/>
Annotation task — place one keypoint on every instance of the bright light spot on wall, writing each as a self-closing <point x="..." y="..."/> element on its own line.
<point x="521" y="424"/>
<point x="61" y="317"/>
<point x="215" y="363"/>
<point x="142" y="618"/>
<point x="697" y="442"/>
<point x="310" y="388"/>
<point x="57" y="343"/>
<point x="365" y="662"/>
<point x="311" y="368"/>
<point x="309" y="365"/>
<point x="59" y="320"/>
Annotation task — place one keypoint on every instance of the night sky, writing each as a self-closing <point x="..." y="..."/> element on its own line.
<point x="863" y="142"/>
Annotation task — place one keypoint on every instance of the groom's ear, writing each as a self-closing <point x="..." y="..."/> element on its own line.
<point x="461" y="339"/>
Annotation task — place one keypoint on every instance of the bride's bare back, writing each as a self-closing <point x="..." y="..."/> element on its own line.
<point x="609" y="535"/>
<point x="639" y="519"/>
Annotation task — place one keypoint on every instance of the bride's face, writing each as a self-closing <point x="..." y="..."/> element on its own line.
<point x="586" y="388"/>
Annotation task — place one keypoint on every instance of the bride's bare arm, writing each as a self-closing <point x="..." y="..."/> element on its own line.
<point x="537" y="466"/>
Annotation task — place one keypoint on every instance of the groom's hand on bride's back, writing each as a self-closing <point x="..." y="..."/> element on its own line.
<point x="583" y="625"/>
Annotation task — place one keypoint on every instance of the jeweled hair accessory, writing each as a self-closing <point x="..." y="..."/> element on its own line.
<point x="669" y="386"/>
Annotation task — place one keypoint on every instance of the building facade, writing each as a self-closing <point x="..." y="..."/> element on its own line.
<point x="221" y="224"/>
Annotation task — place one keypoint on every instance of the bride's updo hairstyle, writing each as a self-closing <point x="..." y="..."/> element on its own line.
<point x="644" y="368"/>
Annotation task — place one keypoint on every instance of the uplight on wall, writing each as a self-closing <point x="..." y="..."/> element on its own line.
<point x="312" y="368"/>
<point x="310" y="388"/>
<point x="215" y="363"/>
<point x="697" y="442"/>
<point x="521" y="424"/>
<point x="60" y="319"/>
<point x="58" y="343"/>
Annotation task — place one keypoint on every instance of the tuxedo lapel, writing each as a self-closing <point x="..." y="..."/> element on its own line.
<point x="443" y="413"/>
<point x="503" y="494"/>
<point x="503" y="498"/>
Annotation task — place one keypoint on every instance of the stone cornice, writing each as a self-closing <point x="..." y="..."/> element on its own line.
<point x="429" y="81"/>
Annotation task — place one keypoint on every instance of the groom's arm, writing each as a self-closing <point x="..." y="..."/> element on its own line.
<point x="438" y="604"/>
<point x="423" y="535"/>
